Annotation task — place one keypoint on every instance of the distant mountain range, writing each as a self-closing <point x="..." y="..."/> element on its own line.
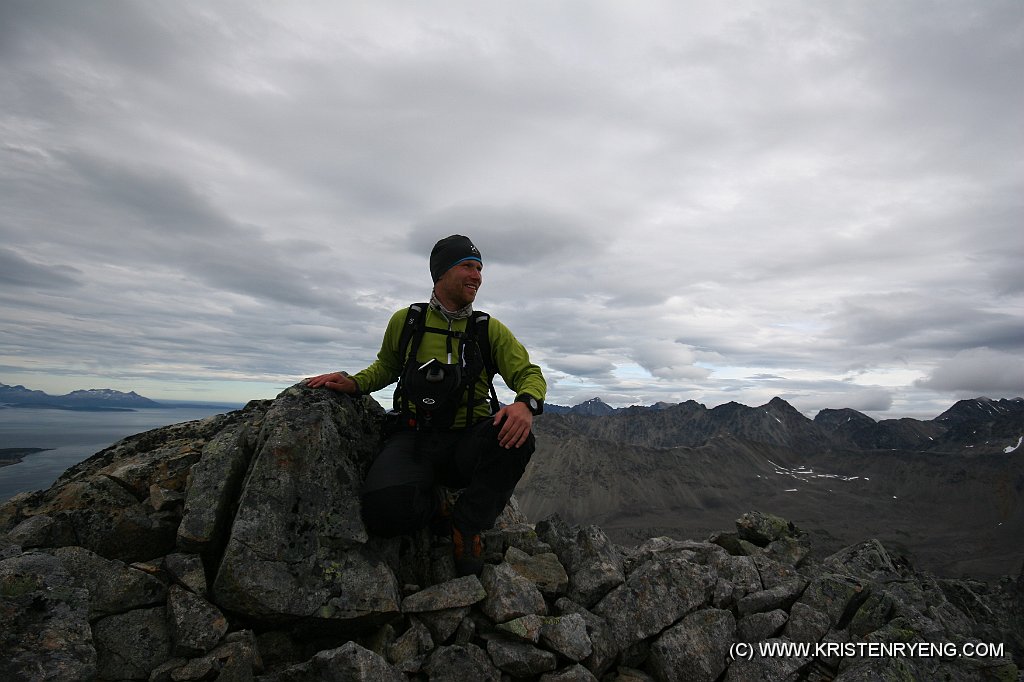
<point x="948" y="492"/>
<point x="595" y="407"/>
<point x="979" y="423"/>
<point x="91" y="399"/>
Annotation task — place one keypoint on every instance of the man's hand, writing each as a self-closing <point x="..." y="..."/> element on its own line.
<point x="336" y="381"/>
<point x="518" y="422"/>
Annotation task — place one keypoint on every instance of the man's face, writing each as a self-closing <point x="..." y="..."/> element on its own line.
<point x="458" y="286"/>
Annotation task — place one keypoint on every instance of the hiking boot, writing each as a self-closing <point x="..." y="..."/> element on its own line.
<point x="468" y="550"/>
<point x="441" y="523"/>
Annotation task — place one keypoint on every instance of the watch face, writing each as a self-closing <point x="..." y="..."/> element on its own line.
<point x="533" y="404"/>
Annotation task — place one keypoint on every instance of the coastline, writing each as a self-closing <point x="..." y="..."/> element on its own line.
<point x="10" y="456"/>
<point x="71" y="408"/>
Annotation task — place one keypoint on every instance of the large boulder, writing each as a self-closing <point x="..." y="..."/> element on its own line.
<point x="44" y="621"/>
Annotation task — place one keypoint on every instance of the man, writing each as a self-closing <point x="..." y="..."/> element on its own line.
<point x="448" y="428"/>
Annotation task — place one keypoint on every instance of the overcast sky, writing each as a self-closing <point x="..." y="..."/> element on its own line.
<point x="674" y="200"/>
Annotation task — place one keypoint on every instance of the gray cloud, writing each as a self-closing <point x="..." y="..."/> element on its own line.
<point x="516" y="235"/>
<point x="978" y="372"/>
<point x="19" y="272"/>
<point x="676" y="200"/>
<point x="581" y="365"/>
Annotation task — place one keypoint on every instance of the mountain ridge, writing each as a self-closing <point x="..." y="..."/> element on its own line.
<point x="79" y="399"/>
<point x="684" y="470"/>
<point x="983" y="424"/>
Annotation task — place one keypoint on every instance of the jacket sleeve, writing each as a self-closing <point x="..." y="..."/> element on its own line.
<point x="388" y="366"/>
<point x="514" y="366"/>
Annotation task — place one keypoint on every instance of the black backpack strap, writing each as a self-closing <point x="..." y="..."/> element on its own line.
<point x="478" y="330"/>
<point x="481" y="328"/>
<point x="414" y="320"/>
<point x="412" y="332"/>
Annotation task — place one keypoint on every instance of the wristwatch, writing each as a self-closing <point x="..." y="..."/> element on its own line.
<point x="536" y="406"/>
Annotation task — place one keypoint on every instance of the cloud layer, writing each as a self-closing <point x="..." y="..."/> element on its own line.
<point x="674" y="200"/>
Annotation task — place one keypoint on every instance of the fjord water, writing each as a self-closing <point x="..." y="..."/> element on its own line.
<point x="73" y="436"/>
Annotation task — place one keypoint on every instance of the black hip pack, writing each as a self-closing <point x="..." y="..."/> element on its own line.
<point x="434" y="390"/>
<point x="433" y="386"/>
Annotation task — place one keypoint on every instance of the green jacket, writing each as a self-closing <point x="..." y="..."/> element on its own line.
<point x="512" y="360"/>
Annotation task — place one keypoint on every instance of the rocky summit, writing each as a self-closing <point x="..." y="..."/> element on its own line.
<point x="232" y="549"/>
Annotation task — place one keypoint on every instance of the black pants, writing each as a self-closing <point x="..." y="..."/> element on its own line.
<point x="399" y="492"/>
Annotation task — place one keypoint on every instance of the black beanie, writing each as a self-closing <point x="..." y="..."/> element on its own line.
<point x="450" y="251"/>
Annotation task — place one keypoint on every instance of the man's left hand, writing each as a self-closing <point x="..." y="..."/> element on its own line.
<point x="516" y="428"/>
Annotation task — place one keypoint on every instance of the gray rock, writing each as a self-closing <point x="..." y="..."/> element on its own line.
<point x="511" y="516"/>
<point x="787" y="550"/>
<point x="773" y="573"/>
<point x="509" y="595"/>
<point x="242" y="644"/>
<point x="574" y="673"/>
<point x="464" y="591"/>
<point x="694" y="649"/>
<point x="131" y="645"/>
<point x="655" y="596"/>
<point x="414" y="642"/>
<point x="177" y="669"/>
<point x="604" y="647"/>
<point x="519" y="658"/>
<point x="669" y="548"/>
<point x="162" y="499"/>
<point x="867" y="560"/>
<point x="101" y="515"/>
<point x="806" y="624"/>
<point x="660" y="547"/>
<point x="767" y="667"/>
<point x="354" y="585"/>
<point x="879" y="670"/>
<point x="43" y="530"/>
<point x="278" y="649"/>
<point x="100" y="503"/>
<point x="557" y="534"/>
<point x="521" y="536"/>
<point x="347" y="663"/>
<point x="833" y="595"/>
<point x="196" y="624"/>
<point x="232" y="661"/>
<point x="466" y="631"/>
<point x="459" y="662"/>
<point x="525" y="628"/>
<point x="296" y="547"/>
<point x="761" y="529"/>
<point x="544" y="570"/>
<point x="760" y="626"/>
<point x="780" y="597"/>
<point x="44" y="625"/>
<point x="594" y="565"/>
<point x="597" y="568"/>
<point x="443" y="624"/>
<point x="213" y="486"/>
<point x="187" y="570"/>
<point x="624" y="673"/>
<point x="8" y="548"/>
<point x="567" y="635"/>
<point x="112" y="586"/>
<point x="380" y="640"/>
<point x="138" y="469"/>
<point x="738" y="577"/>
<point x="831" y="658"/>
